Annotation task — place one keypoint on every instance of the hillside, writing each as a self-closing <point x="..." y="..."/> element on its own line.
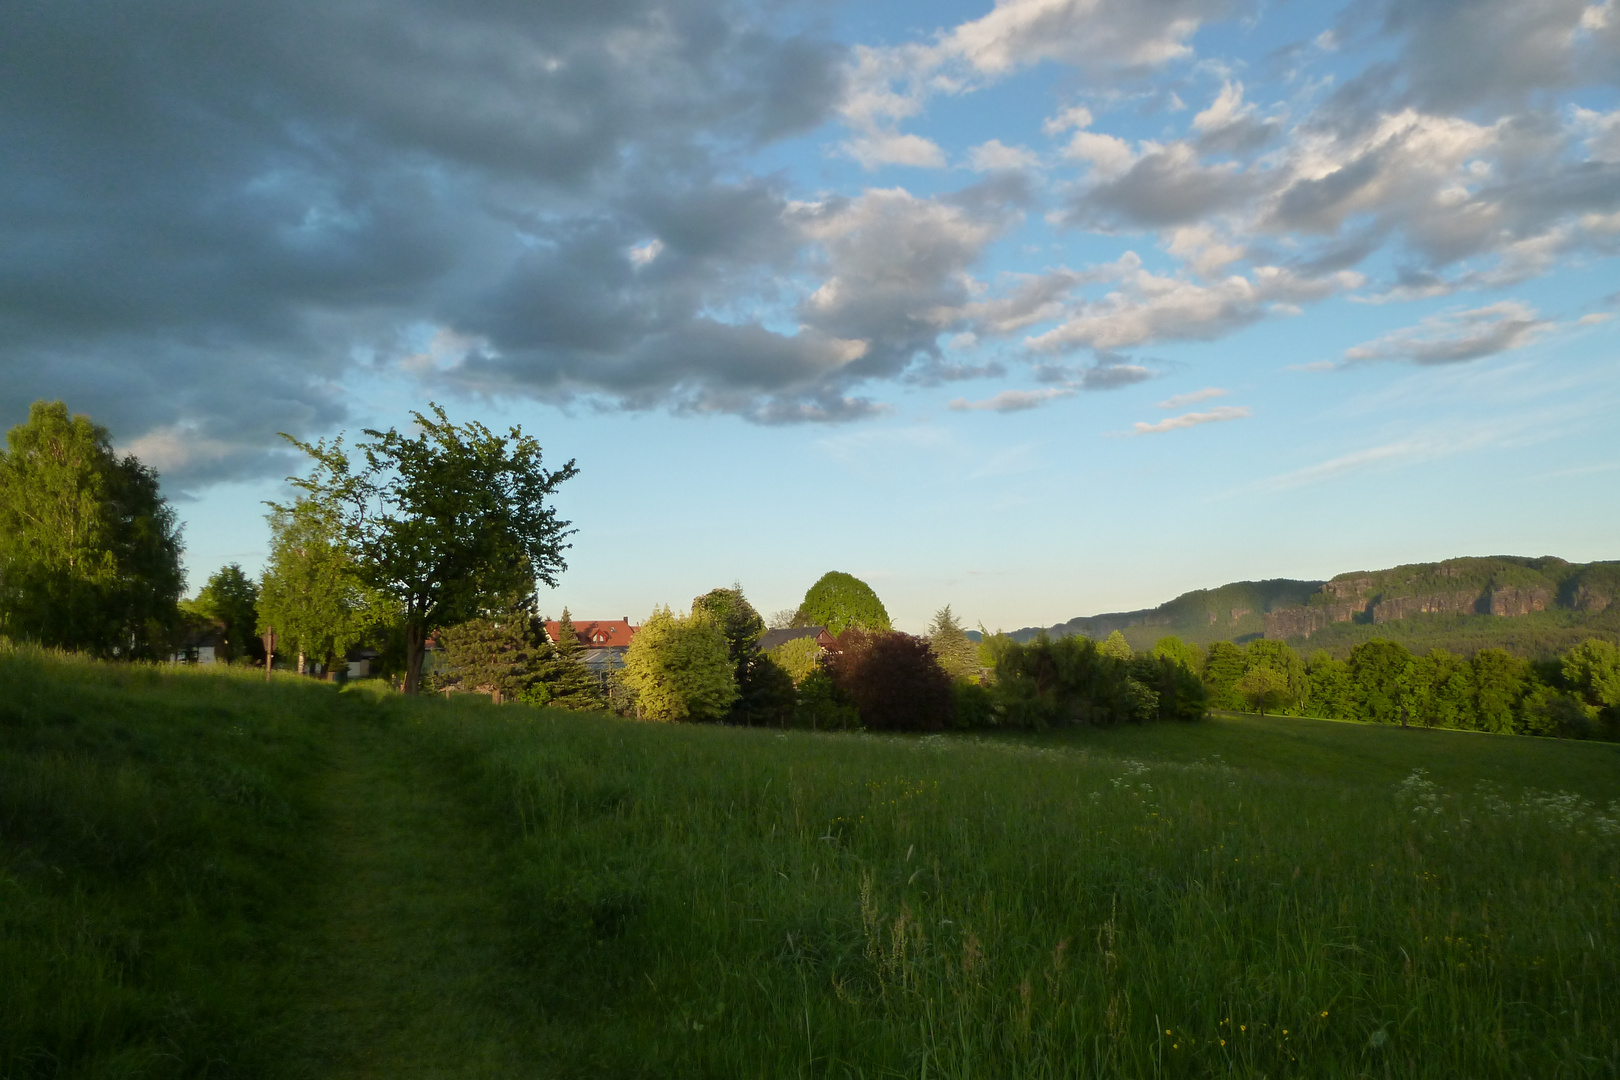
<point x="205" y="875"/>
<point x="1532" y="606"/>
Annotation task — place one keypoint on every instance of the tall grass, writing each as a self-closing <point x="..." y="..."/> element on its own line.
<point x="201" y="875"/>
<point x="153" y="864"/>
<point x="739" y="903"/>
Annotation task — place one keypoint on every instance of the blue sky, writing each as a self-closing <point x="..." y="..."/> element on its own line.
<point x="1038" y="308"/>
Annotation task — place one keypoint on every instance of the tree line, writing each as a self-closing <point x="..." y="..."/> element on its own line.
<point x="1574" y="695"/>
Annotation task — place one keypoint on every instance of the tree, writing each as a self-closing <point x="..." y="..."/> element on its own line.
<point x="1180" y="652"/>
<point x="495" y="654"/>
<point x="1592" y="670"/>
<point x="311" y="594"/>
<point x="1279" y="657"/>
<point x="798" y="657"/>
<point x="1379" y="672"/>
<point x="680" y="668"/>
<point x="1500" y="682"/>
<point x="563" y="681"/>
<point x="231" y="601"/>
<point x="1222" y="671"/>
<point x="1115" y="646"/>
<point x="840" y="601"/>
<point x="1329" y="695"/>
<point x="1265" y="689"/>
<point x="957" y="653"/>
<point x="443" y="521"/>
<point x="89" y="548"/>
<point x="893" y="679"/>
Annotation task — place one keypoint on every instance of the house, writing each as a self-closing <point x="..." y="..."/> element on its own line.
<point x="774" y="638"/>
<point x="603" y="641"/>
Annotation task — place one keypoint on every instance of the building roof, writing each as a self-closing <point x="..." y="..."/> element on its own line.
<point x="773" y="638"/>
<point x="597" y="633"/>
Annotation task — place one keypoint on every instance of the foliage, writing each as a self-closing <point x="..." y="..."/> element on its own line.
<point x="893" y="679"/>
<point x="444" y="521"/>
<point x="1222" y="671"/>
<point x="497" y="654"/>
<point x="1071" y="681"/>
<point x="973" y="705"/>
<point x="766" y="695"/>
<point x="1499" y="686"/>
<point x="1592" y="669"/>
<point x="1330" y="695"/>
<point x="680" y="668"/>
<point x="562" y="680"/>
<point x="764" y="689"/>
<point x="89" y="548"/>
<point x="1115" y="646"/>
<point x="1265" y="690"/>
<point x="798" y="657"/>
<point x="955" y="651"/>
<point x="1380" y="671"/>
<point x="311" y="595"/>
<point x="1180" y="652"/>
<point x="840" y="602"/>
<point x="230" y="600"/>
<point x="821" y="706"/>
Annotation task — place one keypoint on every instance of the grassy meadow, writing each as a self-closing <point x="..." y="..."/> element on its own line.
<point x="206" y="876"/>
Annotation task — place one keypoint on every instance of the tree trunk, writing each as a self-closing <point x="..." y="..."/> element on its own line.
<point x="415" y="640"/>
<point x="300" y="662"/>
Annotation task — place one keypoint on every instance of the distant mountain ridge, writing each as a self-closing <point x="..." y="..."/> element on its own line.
<point x="1480" y="599"/>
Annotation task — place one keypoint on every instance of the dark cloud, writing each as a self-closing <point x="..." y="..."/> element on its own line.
<point x="1167" y="187"/>
<point x="208" y="216"/>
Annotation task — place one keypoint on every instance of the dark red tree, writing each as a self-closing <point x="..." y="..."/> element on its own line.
<point x="894" y="680"/>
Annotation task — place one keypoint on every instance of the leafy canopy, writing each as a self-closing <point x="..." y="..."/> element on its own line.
<point x="443" y="520"/>
<point x="840" y="602"/>
<point x="231" y="600"/>
<point x="89" y="548"/>
<point x="311" y="594"/>
<point x="680" y="668"/>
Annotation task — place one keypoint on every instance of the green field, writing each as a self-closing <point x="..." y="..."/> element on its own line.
<point x="201" y="875"/>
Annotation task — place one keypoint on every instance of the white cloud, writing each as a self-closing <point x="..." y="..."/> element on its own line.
<point x="1010" y="400"/>
<point x="643" y="254"/>
<point x="881" y="148"/>
<point x="1192" y="398"/>
<point x="1187" y="420"/>
<point x="994" y="155"/>
<point x="1227" y="108"/>
<point x="1457" y="336"/>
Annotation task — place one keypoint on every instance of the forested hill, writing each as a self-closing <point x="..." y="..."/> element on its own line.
<point x="1531" y="606"/>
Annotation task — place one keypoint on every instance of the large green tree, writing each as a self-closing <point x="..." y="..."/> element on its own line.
<point x="230" y="601"/>
<point x="497" y="654"/>
<point x="680" y="668"/>
<point x="89" y="548"/>
<point x="311" y="595"/>
<point x="443" y="521"/>
<point x="840" y="602"/>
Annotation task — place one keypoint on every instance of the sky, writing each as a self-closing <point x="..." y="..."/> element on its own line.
<point x="1039" y="308"/>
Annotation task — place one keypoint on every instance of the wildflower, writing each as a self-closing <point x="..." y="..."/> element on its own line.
<point x="1324" y="1012"/>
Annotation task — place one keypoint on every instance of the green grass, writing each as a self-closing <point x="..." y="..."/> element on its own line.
<point x="445" y="889"/>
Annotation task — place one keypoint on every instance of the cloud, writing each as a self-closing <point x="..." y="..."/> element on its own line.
<point x="893" y="148"/>
<point x="1010" y="400"/>
<point x="1150" y="307"/>
<point x="1192" y="398"/>
<point x="1457" y="336"/>
<point x="207" y="226"/>
<point x="994" y="155"/>
<point x="1193" y="419"/>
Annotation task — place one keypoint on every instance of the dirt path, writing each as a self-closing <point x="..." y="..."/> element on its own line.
<point x="408" y="971"/>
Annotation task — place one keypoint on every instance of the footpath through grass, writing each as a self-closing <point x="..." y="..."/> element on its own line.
<point x="205" y="876"/>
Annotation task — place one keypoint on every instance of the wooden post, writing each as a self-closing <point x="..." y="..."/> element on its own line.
<point x="269" y="640"/>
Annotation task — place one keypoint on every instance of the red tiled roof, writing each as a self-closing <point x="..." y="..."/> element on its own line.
<point x="597" y="632"/>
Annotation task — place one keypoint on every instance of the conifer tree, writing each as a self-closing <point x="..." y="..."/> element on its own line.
<point x="951" y="646"/>
<point x="563" y="681"/>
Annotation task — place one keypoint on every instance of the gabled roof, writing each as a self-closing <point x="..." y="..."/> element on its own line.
<point x="773" y="638"/>
<point x="596" y="633"/>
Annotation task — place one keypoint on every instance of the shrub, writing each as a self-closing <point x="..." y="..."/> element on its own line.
<point x="893" y="679"/>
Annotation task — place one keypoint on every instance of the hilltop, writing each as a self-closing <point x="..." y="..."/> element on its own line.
<point x="1532" y="606"/>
